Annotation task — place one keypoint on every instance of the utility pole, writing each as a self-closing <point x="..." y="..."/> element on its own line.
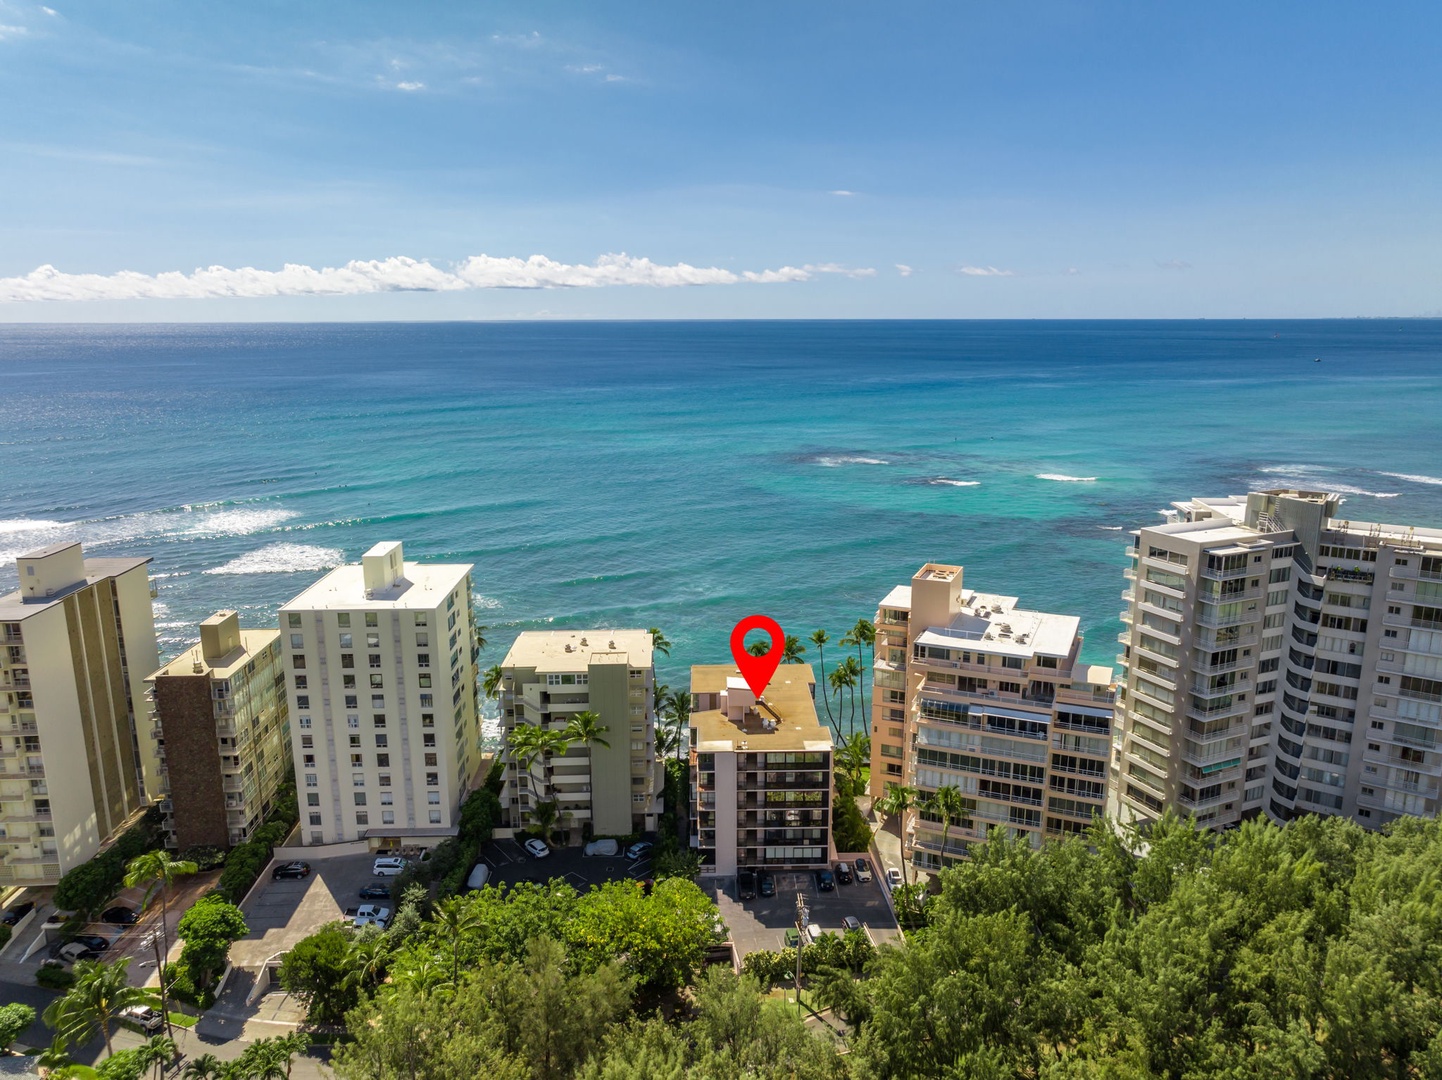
<point x="803" y="916"/>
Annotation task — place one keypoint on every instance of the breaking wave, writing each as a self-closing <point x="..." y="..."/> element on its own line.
<point x="283" y="559"/>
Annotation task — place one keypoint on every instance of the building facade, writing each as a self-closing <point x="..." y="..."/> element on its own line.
<point x="219" y="717"/>
<point x="1280" y="660"/>
<point x="761" y="772"/>
<point x="75" y="641"/>
<point x="974" y="693"/>
<point x="547" y="678"/>
<point x="381" y="664"/>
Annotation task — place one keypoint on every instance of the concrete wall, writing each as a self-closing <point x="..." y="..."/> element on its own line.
<point x="611" y="767"/>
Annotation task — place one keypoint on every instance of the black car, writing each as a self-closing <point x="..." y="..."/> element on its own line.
<point x="843" y="873"/>
<point x="376" y="892"/>
<point x="18" y="912"/>
<point x="825" y="880"/>
<point x="768" y="885"/>
<point x="746" y="885"/>
<point x="290" y="870"/>
<point x="120" y="916"/>
<point x="94" y="942"/>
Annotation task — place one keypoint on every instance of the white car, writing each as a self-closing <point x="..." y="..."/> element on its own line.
<point x="371" y="915"/>
<point x="605" y="848"/>
<point x="388" y="866"/>
<point x="480" y="874"/>
<point x="813" y="932"/>
<point x="863" y="870"/>
<point x="893" y="877"/>
<point x="537" y="848"/>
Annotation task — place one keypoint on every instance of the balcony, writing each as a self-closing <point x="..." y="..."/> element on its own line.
<point x="1209" y="617"/>
<point x="1217" y="574"/>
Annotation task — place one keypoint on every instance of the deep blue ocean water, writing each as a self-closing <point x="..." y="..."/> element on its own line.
<point x="684" y="475"/>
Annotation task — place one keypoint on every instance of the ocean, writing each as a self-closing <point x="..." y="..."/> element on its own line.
<point x="684" y="475"/>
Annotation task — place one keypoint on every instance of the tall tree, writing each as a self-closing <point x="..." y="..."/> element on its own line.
<point x="160" y="1051"/>
<point x="491" y="682"/>
<point x="819" y="638"/>
<point x="841" y="679"/>
<point x="681" y="717"/>
<point x="481" y="641"/>
<point x="853" y="756"/>
<point x="658" y="641"/>
<point x="949" y="804"/>
<point x="457" y="920"/>
<point x="93" y="1001"/>
<point x="155" y="872"/>
<point x="585" y="727"/>
<point x="898" y="802"/>
<point x="792" y="650"/>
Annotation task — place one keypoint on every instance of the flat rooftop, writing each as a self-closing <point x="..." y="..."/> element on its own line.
<point x="423" y="586"/>
<point x="992" y="624"/>
<point x="573" y="650"/>
<point x="14" y="607"/>
<point x="252" y="642"/>
<point x="788" y="694"/>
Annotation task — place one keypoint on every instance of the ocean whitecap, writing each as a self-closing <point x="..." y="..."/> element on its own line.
<point x="283" y="559"/>
<point x="1063" y="478"/>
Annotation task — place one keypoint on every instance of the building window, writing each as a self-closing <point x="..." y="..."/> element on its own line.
<point x="425" y="679"/>
<point x="381" y="740"/>
<point x="383" y="761"/>
<point x="347" y="660"/>
<point x="431" y="760"/>
<point x="378" y="701"/>
<point x="297" y="641"/>
<point x="352" y="701"/>
<point x="385" y="781"/>
<point x="378" y="682"/>
<point x="372" y="619"/>
<point x="421" y="618"/>
<point x="388" y="817"/>
<point x="427" y="701"/>
<point x="297" y="661"/>
<point x="353" y="722"/>
<point x="310" y="780"/>
<point x="433" y="797"/>
<point x="347" y="682"/>
<point x="302" y="701"/>
<point x="315" y="819"/>
<point x="429" y="739"/>
<point x="307" y="742"/>
<point x="305" y="721"/>
<point x="308" y="760"/>
<point x="343" y="619"/>
<point x="312" y="798"/>
<point x="358" y="779"/>
<point x="300" y="683"/>
<point x="433" y="779"/>
<point x="386" y="798"/>
<point x="362" y="817"/>
<point x="346" y="641"/>
<point x="317" y="837"/>
<point x="360" y="798"/>
<point x="428" y="720"/>
<point x="355" y="740"/>
<point x="435" y="817"/>
<point x="357" y="761"/>
<point x="423" y="640"/>
<point x="293" y="618"/>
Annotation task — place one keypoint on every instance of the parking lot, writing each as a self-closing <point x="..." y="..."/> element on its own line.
<point x="280" y="913"/>
<point x="510" y="864"/>
<point x="762" y="923"/>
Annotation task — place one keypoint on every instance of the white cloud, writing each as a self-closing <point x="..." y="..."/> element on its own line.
<point x="49" y="11"/>
<point x="410" y="86"/>
<point x="843" y="192"/>
<point x="1174" y="264"/>
<point x="10" y="31"/>
<point x="904" y="270"/>
<point x="983" y="271"/>
<point x="397" y="274"/>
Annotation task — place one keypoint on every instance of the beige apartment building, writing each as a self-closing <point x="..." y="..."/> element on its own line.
<point x="381" y="661"/>
<point x="1280" y="661"/>
<point x="761" y="772"/>
<point x="75" y="641"/>
<point x="973" y="692"/>
<point x="550" y="676"/>
<point x="219" y="717"/>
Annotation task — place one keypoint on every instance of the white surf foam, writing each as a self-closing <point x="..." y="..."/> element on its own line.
<point x="954" y="483"/>
<point x="241" y="522"/>
<point x="1415" y="478"/>
<point x="1330" y="486"/>
<point x="282" y="559"/>
<point x="1065" y="479"/>
<point x="1110" y="528"/>
<point x="832" y="462"/>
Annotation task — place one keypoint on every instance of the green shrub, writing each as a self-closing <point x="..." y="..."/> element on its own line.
<point x="54" y="977"/>
<point x="205" y="856"/>
<point x="88" y="887"/>
<point x="181" y="983"/>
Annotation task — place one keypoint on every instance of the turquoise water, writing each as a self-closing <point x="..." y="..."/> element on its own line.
<point x="685" y="475"/>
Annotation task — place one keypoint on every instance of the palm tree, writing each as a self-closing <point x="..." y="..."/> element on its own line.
<point x="853" y="756"/>
<point x="481" y="641"/>
<point x="658" y="641"/>
<point x="156" y="871"/>
<point x="792" y="650"/>
<point x="204" y="1067"/>
<point x="897" y="802"/>
<point x="836" y="989"/>
<point x="96" y="997"/>
<point x="948" y="803"/>
<point x="585" y="727"/>
<point x="660" y="695"/>
<point x="530" y="741"/>
<point x="367" y="960"/>
<point x="759" y="648"/>
<point x="839" y="679"/>
<point x="858" y="677"/>
<point x="458" y="918"/>
<point x="160" y="1051"/>
<point x="819" y="638"/>
<point x="680" y="710"/>
<point x="491" y="681"/>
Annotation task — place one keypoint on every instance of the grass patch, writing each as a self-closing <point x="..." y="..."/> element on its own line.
<point x="184" y="1020"/>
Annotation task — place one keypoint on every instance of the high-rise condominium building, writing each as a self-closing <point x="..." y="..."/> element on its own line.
<point x="76" y="640"/>
<point x="614" y="783"/>
<point x="1280" y="660"/>
<point x="760" y="771"/>
<point x="974" y="693"/>
<point x="219" y="718"/>
<point x="382" y="700"/>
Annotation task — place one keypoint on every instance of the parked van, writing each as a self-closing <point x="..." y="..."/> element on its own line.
<point x="388" y="866"/>
<point x="480" y="874"/>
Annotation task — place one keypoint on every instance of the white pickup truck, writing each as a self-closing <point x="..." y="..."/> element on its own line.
<point x="369" y="915"/>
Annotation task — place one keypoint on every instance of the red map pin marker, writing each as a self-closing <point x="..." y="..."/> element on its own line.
<point x="757" y="670"/>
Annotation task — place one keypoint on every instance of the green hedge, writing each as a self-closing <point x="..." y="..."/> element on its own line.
<point x="245" y="861"/>
<point x="89" y="887"/>
<point x="449" y="862"/>
<point x="54" y="977"/>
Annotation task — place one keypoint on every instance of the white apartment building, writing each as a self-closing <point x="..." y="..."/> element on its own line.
<point x="76" y="641"/>
<point x="382" y="700"/>
<point x="548" y="676"/>
<point x="974" y="692"/>
<point x="1280" y="661"/>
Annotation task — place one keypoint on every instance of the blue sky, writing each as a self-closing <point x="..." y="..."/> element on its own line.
<point x="1030" y="159"/>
